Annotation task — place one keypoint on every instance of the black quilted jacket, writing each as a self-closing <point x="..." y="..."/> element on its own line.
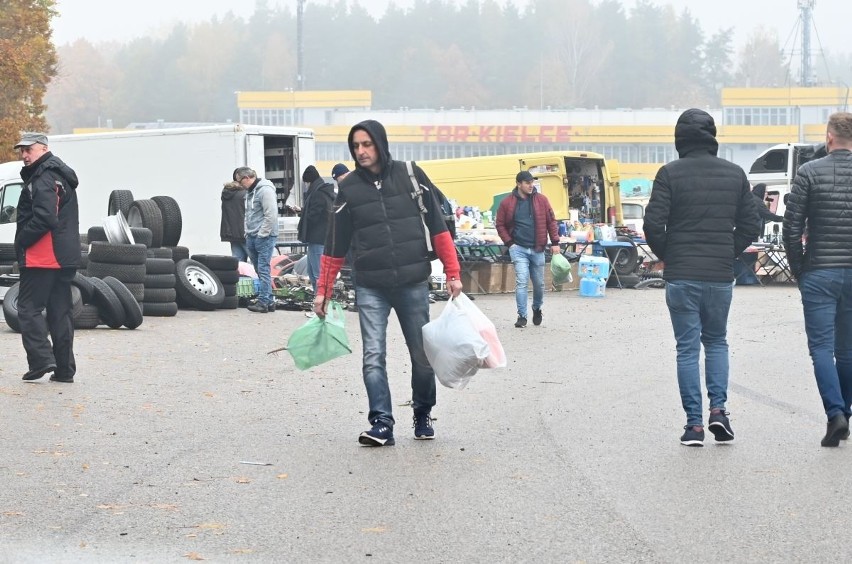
<point x="820" y="203"/>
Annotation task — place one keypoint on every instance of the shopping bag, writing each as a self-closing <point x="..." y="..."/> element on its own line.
<point x="454" y="347"/>
<point x="496" y="355"/>
<point x="560" y="268"/>
<point x="320" y="339"/>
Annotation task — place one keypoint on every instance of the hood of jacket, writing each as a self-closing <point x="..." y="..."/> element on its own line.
<point x="49" y="161"/>
<point x="759" y="190"/>
<point x="231" y="190"/>
<point x="695" y="132"/>
<point x="377" y="133"/>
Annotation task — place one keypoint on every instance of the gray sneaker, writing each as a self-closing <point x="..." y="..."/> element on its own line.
<point x="521" y="322"/>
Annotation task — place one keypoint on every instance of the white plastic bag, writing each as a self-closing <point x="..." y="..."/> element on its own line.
<point x="454" y="347"/>
<point x="487" y="330"/>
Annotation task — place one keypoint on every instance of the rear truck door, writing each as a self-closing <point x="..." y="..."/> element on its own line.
<point x="612" y="178"/>
<point x="552" y="182"/>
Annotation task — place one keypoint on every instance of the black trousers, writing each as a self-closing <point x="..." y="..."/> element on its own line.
<point x="47" y="289"/>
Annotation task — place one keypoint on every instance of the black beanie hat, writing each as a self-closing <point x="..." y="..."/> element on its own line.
<point x="310" y="174"/>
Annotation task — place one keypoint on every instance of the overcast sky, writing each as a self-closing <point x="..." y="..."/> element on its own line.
<point x="101" y="20"/>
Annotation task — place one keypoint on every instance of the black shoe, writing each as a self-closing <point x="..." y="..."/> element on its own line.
<point x="271" y="308"/>
<point x="258" y="308"/>
<point x="521" y="322"/>
<point x="380" y="435"/>
<point x="836" y="428"/>
<point x="423" y="426"/>
<point x="692" y="436"/>
<point x="55" y="378"/>
<point x="720" y="426"/>
<point x="536" y="317"/>
<point x="39" y="372"/>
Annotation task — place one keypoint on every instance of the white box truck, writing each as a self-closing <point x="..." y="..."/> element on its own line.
<point x="189" y="164"/>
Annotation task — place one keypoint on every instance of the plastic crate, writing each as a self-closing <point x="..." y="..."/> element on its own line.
<point x="288" y="236"/>
<point x="247" y="287"/>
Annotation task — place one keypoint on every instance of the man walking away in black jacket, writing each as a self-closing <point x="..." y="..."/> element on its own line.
<point x="821" y="201"/>
<point x="700" y="217"/>
<point x="47" y="243"/>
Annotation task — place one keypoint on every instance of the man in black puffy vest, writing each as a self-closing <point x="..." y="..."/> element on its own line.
<point x="701" y="216"/>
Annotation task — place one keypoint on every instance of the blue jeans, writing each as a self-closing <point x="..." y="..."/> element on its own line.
<point x="699" y="313"/>
<point x="411" y="304"/>
<point x="528" y="263"/>
<point x="314" y="253"/>
<point x="827" y="301"/>
<point x="260" y="253"/>
<point x="239" y="250"/>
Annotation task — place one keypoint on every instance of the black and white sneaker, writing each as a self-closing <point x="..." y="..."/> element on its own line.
<point x="521" y="322"/>
<point x="692" y="436"/>
<point x="423" y="426"/>
<point x="720" y="426"/>
<point x="380" y="435"/>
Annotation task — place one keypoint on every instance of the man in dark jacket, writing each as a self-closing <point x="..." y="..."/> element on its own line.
<point x="316" y="208"/>
<point x="821" y="201"/>
<point x="377" y="216"/>
<point x="47" y="244"/>
<point x="233" y="226"/>
<point x="701" y="216"/>
<point x="525" y="219"/>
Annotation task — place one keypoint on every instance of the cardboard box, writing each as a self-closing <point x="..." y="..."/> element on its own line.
<point x="480" y="277"/>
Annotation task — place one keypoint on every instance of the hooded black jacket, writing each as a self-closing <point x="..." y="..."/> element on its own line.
<point x="701" y="214"/>
<point x="313" y="223"/>
<point x="383" y="225"/>
<point x="821" y="200"/>
<point x="48" y="230"/>
<point x="233" y="226"/>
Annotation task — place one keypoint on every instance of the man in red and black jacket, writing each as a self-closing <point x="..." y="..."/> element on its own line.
<point x="47" y="244"/>
<point x="376" y="216"/>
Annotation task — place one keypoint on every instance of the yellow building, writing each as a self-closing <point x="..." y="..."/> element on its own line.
<point x="748" y="121"/>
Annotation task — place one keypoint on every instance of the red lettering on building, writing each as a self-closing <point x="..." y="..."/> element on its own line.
<point x="563" y="133"/>
<point x="510" y="134"/>
<point x="545" y="134"/>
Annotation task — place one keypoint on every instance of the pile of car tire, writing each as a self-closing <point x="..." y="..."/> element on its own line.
<point x="141" y="270"/>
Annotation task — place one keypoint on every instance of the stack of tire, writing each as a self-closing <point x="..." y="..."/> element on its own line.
<point x="93" y="302"/>
<point x="160" y="298"/>
<point x="224" y="267"/>
<point x="123" y="261"/>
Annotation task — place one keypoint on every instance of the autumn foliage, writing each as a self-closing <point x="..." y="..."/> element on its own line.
<point x="27" y="63"/>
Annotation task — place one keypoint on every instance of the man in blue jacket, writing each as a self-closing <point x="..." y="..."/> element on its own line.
<point x="47" y="243"/>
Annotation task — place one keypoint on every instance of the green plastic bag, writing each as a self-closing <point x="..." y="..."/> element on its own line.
<point x="320" y="339"/>
<point x="560" y="268"/>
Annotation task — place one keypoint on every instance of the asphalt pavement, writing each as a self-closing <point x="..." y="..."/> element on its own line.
<point x="184" y="440"/>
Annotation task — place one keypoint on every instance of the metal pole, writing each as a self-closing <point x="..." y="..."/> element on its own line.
<point x="300" y="47"/>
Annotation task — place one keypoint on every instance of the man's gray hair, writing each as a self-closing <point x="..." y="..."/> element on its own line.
<point x="244" y="172"/>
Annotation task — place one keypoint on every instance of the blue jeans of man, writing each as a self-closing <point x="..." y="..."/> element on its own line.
<point x="528" y="264"/>
<point x="827" y="302"/>
<point x="260" y="253"/>
<point x="239" y="250"/>
<point x="411" y="304"/>
<point x="314" y="253"/>
<point x="699" y="314"/>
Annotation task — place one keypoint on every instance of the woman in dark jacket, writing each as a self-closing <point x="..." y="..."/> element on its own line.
<point x="233" y="227"/>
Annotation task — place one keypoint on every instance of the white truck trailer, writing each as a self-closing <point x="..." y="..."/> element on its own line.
<point x="189" y="164"/>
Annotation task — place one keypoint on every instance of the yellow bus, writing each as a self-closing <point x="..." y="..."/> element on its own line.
<point x="580" y="185"/>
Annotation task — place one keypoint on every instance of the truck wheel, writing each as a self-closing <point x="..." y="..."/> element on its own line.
<point x="119" y="200"/>
<point x="197" y="286"/>
<point x="119" y="253"/>
<point x="146" y="213"/>
<point x="172" y="220"/>
<point x="626" y="261"/>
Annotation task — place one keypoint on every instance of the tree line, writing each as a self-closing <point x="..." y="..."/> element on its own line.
<point x="554" y="54"/>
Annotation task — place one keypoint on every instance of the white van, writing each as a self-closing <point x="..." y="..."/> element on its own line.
<point x="10" y="191"/>
<point x="777" y="166"/>
<point x="634" y="213"/>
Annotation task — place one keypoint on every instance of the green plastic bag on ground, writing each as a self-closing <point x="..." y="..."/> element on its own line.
<point x="320" y="339"/>
<point x="560" y="268"/>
